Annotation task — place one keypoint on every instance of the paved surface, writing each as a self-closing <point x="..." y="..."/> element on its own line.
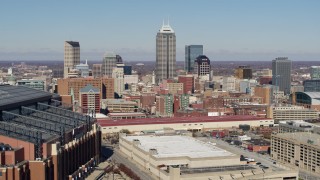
<point x="264" y="159"/>
<point x="117" y="157"/>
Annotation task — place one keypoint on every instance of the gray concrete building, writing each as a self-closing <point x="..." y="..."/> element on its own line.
<point x="71" y="56"/>
<point x="281" y="74"/>
<point x="165" y="53"/>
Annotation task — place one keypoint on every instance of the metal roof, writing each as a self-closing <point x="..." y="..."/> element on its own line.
<point x="19" y="94"/>
<point x="89" y="88"/>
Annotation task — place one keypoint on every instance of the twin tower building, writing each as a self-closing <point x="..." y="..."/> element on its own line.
<point x="165" y="56"/>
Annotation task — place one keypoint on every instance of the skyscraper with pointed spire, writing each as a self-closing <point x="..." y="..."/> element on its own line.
<point x="165" y="53"/>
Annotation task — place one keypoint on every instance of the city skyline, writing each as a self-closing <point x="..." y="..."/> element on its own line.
<point x="229" y="31"/>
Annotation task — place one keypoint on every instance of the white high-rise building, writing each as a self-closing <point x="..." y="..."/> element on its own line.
<point x="108" y="63"/>
<point x="117" y="75"/>
<point x="165" y="53"/>
<point x="71" y="56"/>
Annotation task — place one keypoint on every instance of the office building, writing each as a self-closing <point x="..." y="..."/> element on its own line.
<point x="42" y="139"/>
<point x="117" y="75"/>
<point x="108" y="63"/>
<point x="83" y="69"/>
<point x="89" y="99"/>
<point x="315" y="72"/>
<point x="243" y="72"/>
<point x="97" y="70"/>
<point x="127" y="70"/>
<point x="202" y="66"/>
<point x="299" y="149"/>
<point x="191" y="53"/>
<point x="32" y="83"/>
<point x="228" y="83"/>
<point x="175" y="88"/>
<point x="286" y="113"/>
<point x="281" y="74"/>
<point x="311" y="85"/>
<point x="72" y="86"/>
<point x="165" y="53"/>
<point x="188" y="83"/>
<point x="119" y="105"/>
<point x="71" y="56"/>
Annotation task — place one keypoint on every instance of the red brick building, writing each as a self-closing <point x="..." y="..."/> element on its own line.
<point x="188" y="83"/>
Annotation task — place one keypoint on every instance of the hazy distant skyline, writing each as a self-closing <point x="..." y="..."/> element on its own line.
<point x="229" y="30"/>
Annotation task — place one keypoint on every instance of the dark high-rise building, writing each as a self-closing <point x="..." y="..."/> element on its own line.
<point x="311" y="85"/>
<point x="127" y="70"/>
<point x="244" y="72"/>
<point x="191" y="53"/>
<point x="202" y="65"/>
<point x="165" y="53"/>
<point x="281" y="74"/>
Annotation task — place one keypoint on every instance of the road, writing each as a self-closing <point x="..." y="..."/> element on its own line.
<point x="120" y="159"/>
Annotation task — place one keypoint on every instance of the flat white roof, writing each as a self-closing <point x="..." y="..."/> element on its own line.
<point x="178" y="146"/>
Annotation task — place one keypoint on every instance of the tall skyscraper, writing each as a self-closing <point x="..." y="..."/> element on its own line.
<point x="191" y="53"/>
<point x="165" y="53"/>
<point x="202" y="65"/>
<point x="71" y="56"/>
<point x="108" y="63"/>
<point x="281" y="74"/>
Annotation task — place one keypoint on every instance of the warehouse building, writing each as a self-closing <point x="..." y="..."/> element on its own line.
<point x="182" y="123"/>
<point x="185" y="158"/>
<point x="43" y="139"/>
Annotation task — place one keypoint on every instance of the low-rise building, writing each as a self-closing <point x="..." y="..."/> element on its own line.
<point x="298" y="126"/>
<point x="119" y="105"/>
<point x="285" y="113"/>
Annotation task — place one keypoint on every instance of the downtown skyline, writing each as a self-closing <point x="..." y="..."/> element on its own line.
<point x="228" y="30"/>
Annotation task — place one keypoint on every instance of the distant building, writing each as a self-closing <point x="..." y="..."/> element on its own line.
<point x="300" y="149"/>
<point x="127" y="70"/>
<point x="89" y="99"/>
<point x="108" y="63"/>
<point x="311" y="85"/>
<point x="32" y="83"/>
<point x="83" y="69"/>
<point x="243" y="72"/>
<point x="228" y="83"/>
<point x="119" y="105"/>
<point x="315" y="72"/>
<point x="281" y="74"/>
<point x="165" y="53"/>
<point x="72" y="86"/>
<point x="117" y="75"/>
<point x="191" y="53"/>
<point x="286" y="113"/>
<point x="97" y="70"/>
<point x="164" y="105"/>
<point x="71" y="56"/>
<point x="188" y="83"/>
<point x="175" y="88"/>
<point x="298" y="126"/>
<point x="202" y="65"/>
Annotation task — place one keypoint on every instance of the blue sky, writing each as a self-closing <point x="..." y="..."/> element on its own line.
<point x="233" y="30"/>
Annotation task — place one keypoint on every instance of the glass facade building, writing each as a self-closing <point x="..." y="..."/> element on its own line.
<point x="311" y="85"/>
<point x="191" y="53"/>
<point x="281" y="74"/>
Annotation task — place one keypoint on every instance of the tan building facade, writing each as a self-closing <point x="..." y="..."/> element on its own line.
<point x="71" y="56"/>
<point x="301" y="149"/>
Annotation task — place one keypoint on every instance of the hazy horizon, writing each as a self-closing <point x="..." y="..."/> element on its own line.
<point x="241" y="30"/>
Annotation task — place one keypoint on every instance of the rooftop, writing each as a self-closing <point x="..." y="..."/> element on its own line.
<point x="73" y="43"/>
<point x="175" y="120"/>
<point x="302" y="137"/>
<point x="10" y="95"/>
<point x="178" y="146"/>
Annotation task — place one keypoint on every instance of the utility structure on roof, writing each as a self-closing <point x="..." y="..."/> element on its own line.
<point x="55" y="141"/>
